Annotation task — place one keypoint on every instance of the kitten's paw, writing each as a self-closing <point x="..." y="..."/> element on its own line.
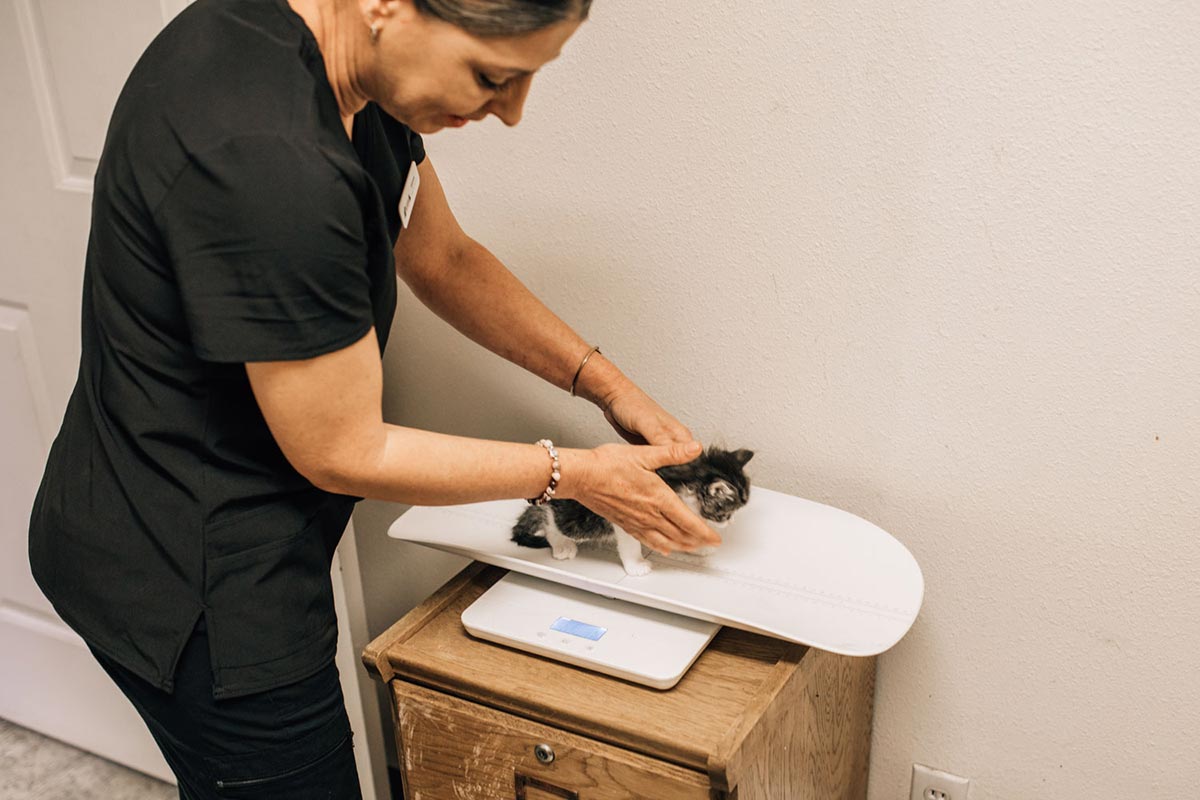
<point x="638" y="568"/>
<point x="566" y="550"/>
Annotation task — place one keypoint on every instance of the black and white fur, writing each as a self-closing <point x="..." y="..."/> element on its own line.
<point x="714" y="486"/>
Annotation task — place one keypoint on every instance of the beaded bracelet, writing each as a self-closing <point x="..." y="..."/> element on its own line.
<point x="548" y="495"/>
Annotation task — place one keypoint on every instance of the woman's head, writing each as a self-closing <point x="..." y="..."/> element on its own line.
<point x="442" y="63"/>
<point x="504" y="17"/>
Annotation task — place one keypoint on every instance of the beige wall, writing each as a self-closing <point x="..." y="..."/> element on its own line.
<point x="937" y="264"/>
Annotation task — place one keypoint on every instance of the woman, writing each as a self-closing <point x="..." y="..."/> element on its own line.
<point x="258" y="186"/>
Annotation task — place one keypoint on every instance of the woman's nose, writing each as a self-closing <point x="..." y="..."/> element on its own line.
<point x="509" y="104"/>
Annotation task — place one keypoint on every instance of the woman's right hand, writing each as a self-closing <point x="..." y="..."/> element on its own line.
<point x="619" y="483"/>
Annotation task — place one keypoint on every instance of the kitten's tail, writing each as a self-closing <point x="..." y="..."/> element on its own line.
<point x="528" y="530"/>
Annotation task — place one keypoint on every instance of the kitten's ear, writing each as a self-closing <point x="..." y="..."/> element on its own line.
<point x="743" y="456"/>
<point x="721" y="489"/>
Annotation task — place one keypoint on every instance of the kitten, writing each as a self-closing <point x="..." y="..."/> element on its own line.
<point x="714" y="486"/>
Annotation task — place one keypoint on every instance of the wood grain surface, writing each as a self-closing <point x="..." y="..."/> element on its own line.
<point x="754" y="718"/>
<point x="455" y="749"/>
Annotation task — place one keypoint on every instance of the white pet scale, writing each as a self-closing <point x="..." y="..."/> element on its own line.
<point x="787" y="567"/>
<point x="615" y="637"/>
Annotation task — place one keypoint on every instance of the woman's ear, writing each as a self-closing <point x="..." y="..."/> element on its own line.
<point x="385" y="11"/>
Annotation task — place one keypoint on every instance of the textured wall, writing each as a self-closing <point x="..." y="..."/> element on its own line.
<point x="937" y="264"/>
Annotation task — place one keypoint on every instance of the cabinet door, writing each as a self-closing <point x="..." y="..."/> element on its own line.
<point x="453" y="749"/>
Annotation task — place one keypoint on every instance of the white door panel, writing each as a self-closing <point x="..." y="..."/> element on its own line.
<point x="85" y="71"/>
<point x="24" y="431"/>
<point x="62" y="64"/>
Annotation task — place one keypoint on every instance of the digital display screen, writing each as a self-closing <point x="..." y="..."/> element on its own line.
<point x="577" y="628"/>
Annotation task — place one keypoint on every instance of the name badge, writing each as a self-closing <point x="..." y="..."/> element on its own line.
<point x="409" y="196"/>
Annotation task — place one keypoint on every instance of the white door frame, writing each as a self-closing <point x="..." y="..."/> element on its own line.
<point x="370" y="751"/>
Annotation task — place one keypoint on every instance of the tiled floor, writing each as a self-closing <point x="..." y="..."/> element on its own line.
<point x="33" y="767"/>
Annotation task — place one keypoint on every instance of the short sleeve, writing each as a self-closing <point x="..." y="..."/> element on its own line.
<point x="267" y="244"/>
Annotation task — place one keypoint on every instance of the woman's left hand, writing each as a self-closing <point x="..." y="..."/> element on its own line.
<point x="640" y="420"/>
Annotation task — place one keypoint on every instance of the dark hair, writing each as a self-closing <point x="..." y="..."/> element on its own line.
<point x="504" y="17"/>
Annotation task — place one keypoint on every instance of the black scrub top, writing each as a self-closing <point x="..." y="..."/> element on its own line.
<point x="232" y="221"/>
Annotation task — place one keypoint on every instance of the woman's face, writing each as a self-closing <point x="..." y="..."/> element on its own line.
<point x="432" y="75"/>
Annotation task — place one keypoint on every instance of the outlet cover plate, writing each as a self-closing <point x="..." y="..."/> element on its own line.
<point x="934" y="784"/>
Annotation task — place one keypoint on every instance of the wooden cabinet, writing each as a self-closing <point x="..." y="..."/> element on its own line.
<point x="753" y="719"/>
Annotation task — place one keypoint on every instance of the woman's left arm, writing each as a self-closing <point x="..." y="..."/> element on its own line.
<point x="464" y="284"/>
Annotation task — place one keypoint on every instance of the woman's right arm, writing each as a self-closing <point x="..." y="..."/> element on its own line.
<point x="326" y="415"/>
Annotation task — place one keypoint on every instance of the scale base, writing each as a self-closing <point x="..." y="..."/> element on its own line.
<point x="614" y="637"/>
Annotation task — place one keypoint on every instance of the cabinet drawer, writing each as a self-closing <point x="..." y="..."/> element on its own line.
<point x="453" y="749"/>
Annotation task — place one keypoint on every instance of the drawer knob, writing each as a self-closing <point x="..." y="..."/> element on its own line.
<point x="544" y="753"/>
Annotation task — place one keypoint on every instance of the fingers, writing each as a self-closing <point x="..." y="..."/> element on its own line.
<point x="670" y="540"/>
<point x="693" y="532"/>
<point x="670" y="431"/>
<point x="640" y="420"/>
<point x="678" y="453"/>
<point x="663" y="429"/>
<point x="657" y="542"/>
<point x="678" y="529"/>
<point x="629" y="494"/>
<point x="622" y="431"/>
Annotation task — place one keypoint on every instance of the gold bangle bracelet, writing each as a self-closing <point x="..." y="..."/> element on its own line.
<point x="575" y="380"/>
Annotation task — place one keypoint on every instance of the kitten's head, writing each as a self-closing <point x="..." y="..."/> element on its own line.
<point x="716" y="480"/>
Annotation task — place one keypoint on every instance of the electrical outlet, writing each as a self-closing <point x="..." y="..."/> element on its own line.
<point x="933" y="784"/>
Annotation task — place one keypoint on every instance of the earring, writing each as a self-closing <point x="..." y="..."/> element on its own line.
<point x="374" y="31"/>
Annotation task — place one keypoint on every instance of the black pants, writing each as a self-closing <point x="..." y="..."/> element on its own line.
<point x="292" y="742"/>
